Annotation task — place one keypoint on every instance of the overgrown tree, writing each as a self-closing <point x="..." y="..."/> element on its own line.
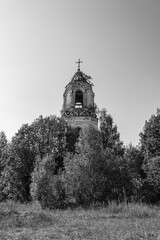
<point x="46" y="187"/>
<point x="150" y="149"/>
<point x="4" y="148"/>
<point x="133" y="162"/>
<point x="150" y="137"/>
<point x="4" y="154"/>
<point x="110" y="135"/>
<point x="95" y="173"/>
<point x="43" y="137"/>
<point x="151" y="187"/>
<point x="20" y="163"/>
<point x="83" y="176"/>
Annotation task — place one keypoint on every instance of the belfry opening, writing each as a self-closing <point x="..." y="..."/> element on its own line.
<point x="78" y="99"/>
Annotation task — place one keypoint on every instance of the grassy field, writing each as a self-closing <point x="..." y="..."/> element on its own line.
<point x="115" y="222"/>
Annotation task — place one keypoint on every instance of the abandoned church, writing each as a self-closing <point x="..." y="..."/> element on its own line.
<point x="79" y="109"/>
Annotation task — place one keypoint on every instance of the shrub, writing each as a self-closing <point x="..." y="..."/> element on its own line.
<point x="84" y="177"/>
<point x="47" y="187"/>
<point x="151" y="186"/>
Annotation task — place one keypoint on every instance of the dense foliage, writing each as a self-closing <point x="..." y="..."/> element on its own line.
<point x="43" y="137"/>
<point x="46" y="186"/>
<point x="3" y="151"/>
<point x="150" y="149"/>
<point x="110" y="135"/>
<point x="55" y="164"/>
<point x="150" y="137"/>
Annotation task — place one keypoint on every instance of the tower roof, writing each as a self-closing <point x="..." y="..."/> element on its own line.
<point x="80" y="76"/>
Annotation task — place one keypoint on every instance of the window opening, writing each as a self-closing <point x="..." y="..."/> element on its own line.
<point x="79" y="99"/>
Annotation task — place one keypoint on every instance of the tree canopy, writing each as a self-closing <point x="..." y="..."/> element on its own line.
<point x="150" y="137"/>
<point x="45" y="136"/>
<point x="55" y="164"/>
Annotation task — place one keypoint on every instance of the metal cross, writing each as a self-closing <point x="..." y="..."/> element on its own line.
<point x="79" y="62"/>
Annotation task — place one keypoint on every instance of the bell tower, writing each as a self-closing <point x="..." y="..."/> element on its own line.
<point x="79" y="109"/>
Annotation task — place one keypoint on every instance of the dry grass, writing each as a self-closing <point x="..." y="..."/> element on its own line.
<point x="115" y="222"/>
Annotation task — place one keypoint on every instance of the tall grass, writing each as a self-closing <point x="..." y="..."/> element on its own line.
<point x="114" y="222"/>
<point x="132" y="210"/>
<point x="138" y="210"/>
<point x="19" y="215"/>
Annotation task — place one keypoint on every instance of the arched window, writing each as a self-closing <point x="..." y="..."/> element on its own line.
<point x="79" y="99"/>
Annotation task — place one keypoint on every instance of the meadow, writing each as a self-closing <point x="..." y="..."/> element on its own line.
<point x="122" y="221"/>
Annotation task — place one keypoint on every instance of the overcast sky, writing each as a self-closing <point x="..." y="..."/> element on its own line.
<point x="117" y="40"/>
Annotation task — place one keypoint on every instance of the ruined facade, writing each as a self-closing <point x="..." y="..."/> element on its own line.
<point x="79" y="108"/>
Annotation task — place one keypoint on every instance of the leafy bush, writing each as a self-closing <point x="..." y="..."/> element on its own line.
<point x="132" y="163"/>
<point x="83" y="176"/>
<point x="151" y="188"/>
<point x="46" y="187"/>
<point x="97" y="173"/>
